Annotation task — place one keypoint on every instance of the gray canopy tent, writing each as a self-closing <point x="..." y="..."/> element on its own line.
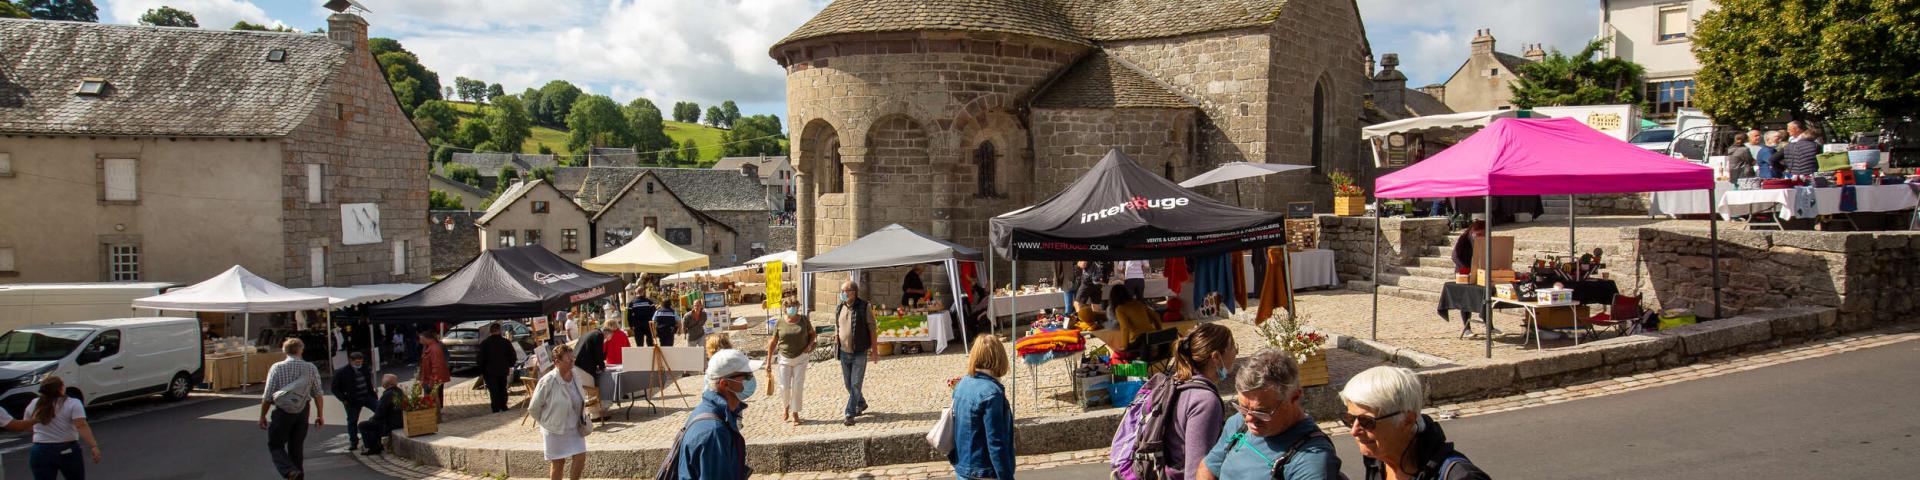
<point x="893" y="246"/>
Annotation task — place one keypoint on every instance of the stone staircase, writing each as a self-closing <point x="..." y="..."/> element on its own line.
<point x="1424" y="280"/>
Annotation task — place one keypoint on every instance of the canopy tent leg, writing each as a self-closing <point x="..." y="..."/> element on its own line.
<point x="1573" y="250"/>
<point x="1713" y="229"/>
<point x="959" y="308"/>
<point x="1486" y="249"/>
<point x="1374" y="333"/>
<point x="246" y="361"/>
<point x="1013" y="327"/>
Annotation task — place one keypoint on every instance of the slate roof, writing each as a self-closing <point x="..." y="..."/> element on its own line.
<point x="1100" y="81"/>
<point x="1420" y="104"/>
<point x="766" y="165"/>
<point x="701" y="189"/>
<point x="506" y="200"/>
<point x="1511" y="62"/>
<point x="569" y="179"/>
<point x="1073" y="21"/>
<point x="161" y="81"/>
<point x="489" y="163"/>
<point x="463" y="186"/>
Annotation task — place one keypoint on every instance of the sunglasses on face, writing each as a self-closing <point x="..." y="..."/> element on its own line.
<point x="1363" y="421"/>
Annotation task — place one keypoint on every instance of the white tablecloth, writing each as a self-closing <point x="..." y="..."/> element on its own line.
<point x="939" y="328"/>
<point x="1029" y="303"/>
<point x="1687" y="202"/>
<point x="1826" y="201"/>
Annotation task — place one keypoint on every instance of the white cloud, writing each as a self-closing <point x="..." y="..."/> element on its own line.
<point x="1432" y="36"/>
<point x="705" y="51"/>
<point x="213" y="14"/>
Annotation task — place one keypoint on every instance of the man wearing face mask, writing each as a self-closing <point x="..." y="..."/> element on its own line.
<point x="710" y="445"/>
<point x="854" y="326"/>
<point x="1272" y="436"/>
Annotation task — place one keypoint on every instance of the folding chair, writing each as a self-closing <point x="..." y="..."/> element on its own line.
<point x="1624" y="316"/>
<point x="1156" y="348"/>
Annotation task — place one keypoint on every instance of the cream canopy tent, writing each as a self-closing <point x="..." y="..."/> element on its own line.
<point x="646" y="253"/>
<point x="235" y="291"/>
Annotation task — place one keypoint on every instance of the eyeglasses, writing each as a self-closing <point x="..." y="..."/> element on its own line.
<point x="1363" y="421"/>
<point x="1254" y="415"/>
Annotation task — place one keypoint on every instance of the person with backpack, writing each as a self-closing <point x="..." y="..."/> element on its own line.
<point x="710" y="445"/>
<point x="982" y="418"/>
<point x="291" y="384"/>
<point x="1176" y="419"/>
<point x="1273" y="438"/>
<point x="1383" y="409"/>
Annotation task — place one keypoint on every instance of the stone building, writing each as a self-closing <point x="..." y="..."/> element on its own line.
<point x="1658" y="35"/>
<point x="775" y="173"/>
<point x="938" y="115"/>
<point x="170" y="154"/>
<point x="535" y="213"/>
<point x="1482" y="82"/>
<point x="455" y="238"/>
<point x="489" y="164"/>
<point x="721" y="212"/>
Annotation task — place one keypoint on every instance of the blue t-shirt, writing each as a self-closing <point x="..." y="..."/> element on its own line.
<point x="1253" y="456"/>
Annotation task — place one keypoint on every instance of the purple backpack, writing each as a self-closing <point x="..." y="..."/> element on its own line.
<point x="1139" y="448"/>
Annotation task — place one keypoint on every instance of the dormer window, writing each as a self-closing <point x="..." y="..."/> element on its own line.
<point x="277" y="55"/>
<point x="92" y="87"/>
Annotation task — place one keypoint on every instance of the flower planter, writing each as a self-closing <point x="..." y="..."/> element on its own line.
<point x="1314" y="371"/>
<point x="1349" y="205"/>
<point x="421" y="422"/>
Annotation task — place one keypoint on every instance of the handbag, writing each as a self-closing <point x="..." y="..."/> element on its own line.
<point x="941" y="437"/>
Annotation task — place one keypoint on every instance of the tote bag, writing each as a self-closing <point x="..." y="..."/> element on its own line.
<point x="941" y="437"/>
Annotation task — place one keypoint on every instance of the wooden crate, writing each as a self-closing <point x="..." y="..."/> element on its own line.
<point x="1349" y="205"/>
<point x="1314" y="371"/>
<point x="421" y="422"/>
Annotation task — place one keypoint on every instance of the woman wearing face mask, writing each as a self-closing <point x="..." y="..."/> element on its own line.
<point x="791" y="345"/>
<point x="1202" y="360"/>
<point x="982" y="419"/>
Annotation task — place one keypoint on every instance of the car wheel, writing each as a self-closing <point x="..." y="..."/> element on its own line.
<point x="178" y="389"/>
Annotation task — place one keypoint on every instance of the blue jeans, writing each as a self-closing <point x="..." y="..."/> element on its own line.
<point x="50" y="460"/>
<point x="853" y="372"/>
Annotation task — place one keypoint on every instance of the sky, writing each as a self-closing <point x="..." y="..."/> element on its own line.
<point x="707" y="51"/>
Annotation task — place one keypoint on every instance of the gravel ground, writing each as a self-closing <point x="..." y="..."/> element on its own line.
<point x="1413" y="324"/>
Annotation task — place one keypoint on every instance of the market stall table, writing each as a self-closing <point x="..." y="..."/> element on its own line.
<point x="1030" y="302"/>
<point x="1687" y="202"/>
<point x="1472" y="297"/>
<point x="1111" y="336"/>
<point x="1825" y="201"/>
<point x="231" y="370"/>
<point x="1533" y="317"/>
<point x="1312" y="268"/>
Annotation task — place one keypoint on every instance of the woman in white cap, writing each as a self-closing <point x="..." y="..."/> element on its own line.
<point x="710" y="445"/>
<point x="559" y="405"/>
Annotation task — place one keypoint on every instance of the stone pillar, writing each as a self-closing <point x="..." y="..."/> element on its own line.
<point x="803" y="216"/>
<point x="855" y="159"/>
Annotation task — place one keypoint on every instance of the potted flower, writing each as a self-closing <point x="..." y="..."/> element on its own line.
<point x="1349" y="200"/>
<point x="1307" y="348"/>
<point x="420" y="411"/>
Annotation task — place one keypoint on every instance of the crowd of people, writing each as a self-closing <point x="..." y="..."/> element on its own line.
<point x="1770" y="154"/>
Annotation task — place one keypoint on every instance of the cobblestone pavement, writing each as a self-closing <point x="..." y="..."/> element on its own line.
<point x="1413" y="324"/>
<point x="1704" y="369"/>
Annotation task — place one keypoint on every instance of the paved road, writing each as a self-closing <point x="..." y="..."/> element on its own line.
<point x="202" y="437"/>
<point x="1849" y="415"/>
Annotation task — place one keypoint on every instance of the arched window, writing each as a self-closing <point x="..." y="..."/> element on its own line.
<point x="836" y="179"/>
<point x="986" y="181"/>
<point x="1315" y="135"/>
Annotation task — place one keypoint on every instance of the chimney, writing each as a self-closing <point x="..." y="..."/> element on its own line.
<point x="1483" y="42"/>
<point x="1390" y="86"/>
<point x="347" y="29"/>
<point x="1437" y="91"/>
<point x="1369" y="59"/>
<point x="1535" y="53"/>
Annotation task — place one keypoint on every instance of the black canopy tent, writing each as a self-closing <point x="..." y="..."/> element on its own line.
<point x="1120" y="211"/>
<point x="519" y="282"/>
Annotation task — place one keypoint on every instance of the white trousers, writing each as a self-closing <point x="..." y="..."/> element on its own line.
<point x="790" y="376"/>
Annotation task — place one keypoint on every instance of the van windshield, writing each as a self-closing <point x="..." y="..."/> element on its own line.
<point x="40" y="344"/>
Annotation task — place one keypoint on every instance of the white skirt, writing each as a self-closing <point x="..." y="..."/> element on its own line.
<point x="564" y="446"/>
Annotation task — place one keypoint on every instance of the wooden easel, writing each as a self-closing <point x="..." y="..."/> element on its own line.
<point x="660" y="364"/>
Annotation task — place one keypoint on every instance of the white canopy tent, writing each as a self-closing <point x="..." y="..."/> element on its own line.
<point x="893" y="246"/>
<point x="235" y="291"/>
<point x="718" y="273"/>
<point x="646" y="253"/>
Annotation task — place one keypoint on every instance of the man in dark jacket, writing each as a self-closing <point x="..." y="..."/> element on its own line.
<point x="353" y="386"/>
<point x="1801" y="153"/>
<point x="856" y="333"/>
<point x="640" y="317"/>
<point x="386" y="415"/>
<point x="1740" y="162"/>
<point x="496" y="364"/>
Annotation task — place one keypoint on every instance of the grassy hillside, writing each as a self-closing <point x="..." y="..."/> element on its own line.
<point x="707" y="138"/>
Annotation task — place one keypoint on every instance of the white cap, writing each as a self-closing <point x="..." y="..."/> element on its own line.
<point x="727" y="363"/>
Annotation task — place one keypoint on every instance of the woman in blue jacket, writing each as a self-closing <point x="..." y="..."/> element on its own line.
<point x="982" y="419"/>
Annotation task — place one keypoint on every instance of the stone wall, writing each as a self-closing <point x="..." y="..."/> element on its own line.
<point x="371" y="153"/>
<point x="780" y="238"/>
<point x="1070" y="141"/>
<point x="1868" y="276"/>
<point x="453" y="247"/>
<point x="1401" y="239"/>
<point x="651" y="199"/>
<point x="1617" y="204"/>
<point x="749" y="227"/>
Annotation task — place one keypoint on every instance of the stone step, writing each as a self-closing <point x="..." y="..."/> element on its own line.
<point x="1436" y="262"/>
<point x="1393" y="291"/>
<point x="1445" y="273"/>
<point x="1414" y="282"/>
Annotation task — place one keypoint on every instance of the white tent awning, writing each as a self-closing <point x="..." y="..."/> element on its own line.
<point x="340" y="297"/>
<point x="1449" y="121"/>
<point x="234" y="291"/>
<point x="788" y="257"/>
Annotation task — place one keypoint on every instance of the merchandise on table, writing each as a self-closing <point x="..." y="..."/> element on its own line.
<point x="1051" y="342"/>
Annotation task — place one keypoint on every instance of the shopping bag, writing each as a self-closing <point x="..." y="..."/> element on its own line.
<point x="941" y="437"/>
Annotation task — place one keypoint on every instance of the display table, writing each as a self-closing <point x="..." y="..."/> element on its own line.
<point x="1470" y="298"/>
<point x="1826" y="201"/>
<point x="1311" y="269"/>
<point x="1687" y="202"/>
<point x="934" y="327"/>
<point x="231" y="370"/>
<point x="1533" y="317"/>
<point x="1028" y="303"/>
<point x="637" y="385"/>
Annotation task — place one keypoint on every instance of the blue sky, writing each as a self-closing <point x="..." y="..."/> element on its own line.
<point x="707" y="51"/>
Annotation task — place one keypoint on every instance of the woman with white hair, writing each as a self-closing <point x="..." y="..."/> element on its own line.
<point x="1383" y="409"/>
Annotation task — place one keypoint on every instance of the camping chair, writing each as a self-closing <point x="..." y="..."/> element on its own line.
<point x="1155" y="348"/>
<point x="1624" y="316"/>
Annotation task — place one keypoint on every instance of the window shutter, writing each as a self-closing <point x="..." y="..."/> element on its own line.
<point x="317" y="266"/>
<point x="399" y="257"/>
<point x="122" y="176"/>
<point x="1673" y="23"/>
<point x="314" y="173"/>
<point x="6" y="260"/>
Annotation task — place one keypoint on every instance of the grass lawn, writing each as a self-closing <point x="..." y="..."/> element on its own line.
<point x="707" y="138"/>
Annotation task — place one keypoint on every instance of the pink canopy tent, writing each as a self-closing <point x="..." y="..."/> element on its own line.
<point x="1554" y="156"/>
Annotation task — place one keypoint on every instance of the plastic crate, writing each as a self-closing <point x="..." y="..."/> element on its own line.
<point x="1135" y="369"/>
<point x="1122" y="393"/>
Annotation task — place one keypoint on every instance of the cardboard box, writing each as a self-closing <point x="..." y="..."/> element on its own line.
<point x="1560" y="317"/>
<point x="1499" y="277"/>
<point x="1502" y="253"/>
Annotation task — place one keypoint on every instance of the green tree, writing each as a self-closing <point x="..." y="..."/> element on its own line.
<point x="556" y="101"/>
<point x="686" y="112"/>
<point x="730" y="112"/>
<point x="412" y="83"/>
<point x="255" y="27"/>
<point x="463" y="173"/>
<point x="166" y="16"/>
<point x="753" y="136"/>
<point x="378" y="45"/>
<point x="715" y="118"/>
<point x="690" y="152"/>
<point x="649" y="130"/>
<point x="507" y="175"/>
<point x="1808" y="58"/>
<point x="541" y="173"/>
<point x="463" y="88"/>
<point x="68" y="10"/>
<point x="9" y="10"/>
<point x="471" y="134"/>
<point x="436" y="120"/>
<point x="509" y="123"/>
<point x="1579" y="79"/>
<point x="595" y="121"/>
<point x="443" y="153"/>
<point x="439" y="200"/>
<point x="544" y="149"/>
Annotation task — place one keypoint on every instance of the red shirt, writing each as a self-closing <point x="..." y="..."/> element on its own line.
<point x="614" y="343"/>
<point x="433" y="364"/>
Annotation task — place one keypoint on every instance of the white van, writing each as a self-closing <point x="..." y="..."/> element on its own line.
<point x="102" y="361"/>
<point x="28" y="304"/>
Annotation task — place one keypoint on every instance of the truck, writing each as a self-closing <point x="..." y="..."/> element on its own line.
<point x="28" y="304"/>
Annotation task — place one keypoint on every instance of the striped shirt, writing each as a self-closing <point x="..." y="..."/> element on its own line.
<point x="289" y="371"/>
